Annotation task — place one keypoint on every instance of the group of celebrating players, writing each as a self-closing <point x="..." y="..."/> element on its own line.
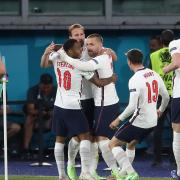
<point x="87" y="106"/>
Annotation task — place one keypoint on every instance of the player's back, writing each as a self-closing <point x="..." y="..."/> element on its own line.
<point x="69" y="85"/>
<point x="174" y="47"/>
<point x="105" y="70"/>
<point x="147" y="84"/>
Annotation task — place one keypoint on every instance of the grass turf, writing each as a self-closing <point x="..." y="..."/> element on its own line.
<point x="30" y="178"/>
<point x="56" y="178"/>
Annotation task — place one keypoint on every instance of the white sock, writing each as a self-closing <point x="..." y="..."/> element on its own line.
<point x="122" y="159"/>
<point x="59" y="157"/>
<point x="94" y="157"/>
<point x="130" y="154"/>
<point x="107" y="154"/>
<point x="176" y="150"/>
<point x="73" y="148"/>
<point x="84" y="150"/>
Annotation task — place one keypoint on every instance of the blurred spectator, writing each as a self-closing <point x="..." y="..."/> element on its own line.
<point x="160" y="59"/>
<point x="155" y="44"/>
<point x="40" y="101"/>
<point x="13" y="129"/>
<point x="2" y="68"/>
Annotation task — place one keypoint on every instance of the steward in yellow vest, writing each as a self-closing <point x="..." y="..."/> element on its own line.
<point x="160" y="59"/>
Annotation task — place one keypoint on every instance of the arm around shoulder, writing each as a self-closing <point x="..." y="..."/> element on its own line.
<point x="45" y="62"/>
<point x="103" y="82"/>
<point x="80" y="65"/>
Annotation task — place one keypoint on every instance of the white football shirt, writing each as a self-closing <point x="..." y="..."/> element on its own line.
<point x="145" y="86"/>
<point x="174" y="47"/>
<point x="69" y="81"/>
<point x="103" y="65"/>
<point x="86" y="85"/>
<point x="104" y="68"/>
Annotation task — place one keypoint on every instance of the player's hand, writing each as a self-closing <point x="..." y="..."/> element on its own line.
<point x="115" y="124"/>
<point x="159" y="113"/>
<point x="114" y="77"/>
<point x="107" y="51"/>
<point x="57" y="47"/>
<point x="165" y="70"/>
<point x="110" y="53"/>
<point x="50" y="49"/>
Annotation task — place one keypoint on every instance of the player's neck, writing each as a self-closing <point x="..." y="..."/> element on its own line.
<point x="137" y="67"/>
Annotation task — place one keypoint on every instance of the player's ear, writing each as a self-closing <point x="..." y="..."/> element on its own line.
<point x="71" y="52"/>
<point x="129" y="62"/>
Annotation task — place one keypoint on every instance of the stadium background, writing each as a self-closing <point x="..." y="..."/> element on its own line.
<point x="28" y="26"/>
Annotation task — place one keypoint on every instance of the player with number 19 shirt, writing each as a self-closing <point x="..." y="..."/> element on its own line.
<point x="144" y="87"/>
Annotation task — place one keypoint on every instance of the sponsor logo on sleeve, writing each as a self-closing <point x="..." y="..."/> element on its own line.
<point x="132" y="90"/>
<point x="95" y="61"/>
<point x="173" y="49"/>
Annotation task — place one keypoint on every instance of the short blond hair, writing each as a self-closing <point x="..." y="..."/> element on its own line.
<point x="97" y="36"/>
<point x="75" y="26"/>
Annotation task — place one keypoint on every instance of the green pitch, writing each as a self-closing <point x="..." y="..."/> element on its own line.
<point x="30" y="178"/>
<point x="56" y="178"/>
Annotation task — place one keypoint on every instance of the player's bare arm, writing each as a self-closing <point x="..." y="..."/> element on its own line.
<point x="82" y="66"/>
<point x="133" y="101"/>
<point x="45" y="57"/>
<point x="114" y="124"/>
<point x="159" y="113"/>
<point x="165" y="98"/>
<point x="103" y="82"/>
<point x="45" y="62"/>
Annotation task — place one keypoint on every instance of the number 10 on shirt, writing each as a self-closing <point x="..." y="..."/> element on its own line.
<point x="64" y="79"/>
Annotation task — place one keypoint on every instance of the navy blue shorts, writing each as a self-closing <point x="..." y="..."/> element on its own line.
<point x="103" y="118"/>
<point x="88" y="109"/>
<point x="69" y="122"/>
<point x="127" y="132"/>
<point x="175" y="110"/>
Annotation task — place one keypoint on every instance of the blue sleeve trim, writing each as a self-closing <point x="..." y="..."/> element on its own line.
<point x="95" y="61"/>
<point x="132" y="90"/>
<point x="172" y="49"/>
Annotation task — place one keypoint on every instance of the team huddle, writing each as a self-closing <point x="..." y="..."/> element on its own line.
<point x="87" y="106"/>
